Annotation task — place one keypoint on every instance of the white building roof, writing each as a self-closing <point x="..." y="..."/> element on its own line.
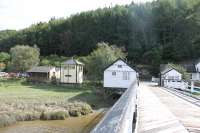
<point x="72" y="62"/>
<point x="41" y="69"/>
<point x="168" y="70"/>
<point x="127" y="68"/>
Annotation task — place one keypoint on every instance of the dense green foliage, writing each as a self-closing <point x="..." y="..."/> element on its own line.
<point x="52" y="60"/>
<point x="24" y="57"/>
<point x="99" y="59"/>
<point x="4" y="59"/>
<point x="151" y="33"/>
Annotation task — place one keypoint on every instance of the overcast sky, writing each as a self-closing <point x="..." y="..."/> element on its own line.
<point x="18" y="14"/>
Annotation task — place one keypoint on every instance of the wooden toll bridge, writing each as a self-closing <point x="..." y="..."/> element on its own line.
<point x="151" y="109"/>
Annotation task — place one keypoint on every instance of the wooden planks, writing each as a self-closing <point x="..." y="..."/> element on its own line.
<point x="154" y="116"/>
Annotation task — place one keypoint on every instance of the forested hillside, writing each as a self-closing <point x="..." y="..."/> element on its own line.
<point x="151" y="33"/>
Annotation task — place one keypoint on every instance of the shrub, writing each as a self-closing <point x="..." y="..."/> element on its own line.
<point x="75" y="112"/>
<point x="86" y="109"/>
<point x="59" y="115"/>
<point x="6" y="120"/>
<point x="78" y="109"/>
<point x="27" y="116"/>
<point x="53" y="80"/>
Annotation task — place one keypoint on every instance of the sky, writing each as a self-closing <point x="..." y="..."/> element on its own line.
<point x="19" y="14"/>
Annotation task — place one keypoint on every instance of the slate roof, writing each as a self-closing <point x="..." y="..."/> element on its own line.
<point x="190" y="68"/>
<point x="165" y="68"/>
<point x="72" y="62"/>
<point x="197" y="61"/>
<point x="41" y="69"/>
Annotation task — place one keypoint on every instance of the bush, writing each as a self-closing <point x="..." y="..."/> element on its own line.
<point x="100" y="58"/>
<point x="6" y="120"/>
<point x="53" y="80"/>
<point x="86" y="109"/>
<point x="28" y="116"/>
<point x="59" y="115"/>
<point x="78" y="109"/>
<point x="75" y="112"/>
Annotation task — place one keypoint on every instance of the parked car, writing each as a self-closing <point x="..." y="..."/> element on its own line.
<point x="3" y="74"/>
<point x="12" y="75"/>
<point x="22" y="75"/>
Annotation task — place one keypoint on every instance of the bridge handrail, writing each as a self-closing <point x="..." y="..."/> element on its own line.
<point x="119" y="118"/>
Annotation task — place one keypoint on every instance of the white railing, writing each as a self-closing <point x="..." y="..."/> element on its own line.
<point x="120" y="117"/>
<point x="176" y="84"/>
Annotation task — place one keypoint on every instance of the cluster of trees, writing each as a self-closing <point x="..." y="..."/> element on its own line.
<point x="100" y="58"/>
<point x="22" y="58"/>
<point x="4" y="59"/>
<point x="151" y="33"/>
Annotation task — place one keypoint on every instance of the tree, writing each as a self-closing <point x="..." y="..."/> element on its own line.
<point x="4" y="57"/>
<point x="45" y="62"/>
<point x="171" y="27"/>
<point x="100" y="58"/>
<point x="24" y="57"/>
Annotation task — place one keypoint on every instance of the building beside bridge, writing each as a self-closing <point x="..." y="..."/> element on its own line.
<point x="193" y="68"/>
<point x="43" y="73"/>
<point x="71" y="71"/>
<point x="119" y="75"/>
<point x="170" y="77"/>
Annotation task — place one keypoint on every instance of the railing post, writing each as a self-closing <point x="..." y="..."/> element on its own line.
<point x="192" y="86"/>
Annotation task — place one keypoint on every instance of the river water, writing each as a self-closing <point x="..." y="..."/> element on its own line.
<point x="82" y="124"/>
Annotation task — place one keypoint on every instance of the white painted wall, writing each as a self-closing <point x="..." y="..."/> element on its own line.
<point x="175" y="84"/>
<point x="80" y="74"/>
<point x="118" y="80"/>
<point x="76" y="71"/>
<point x="198" y="67"/>
<point x="57" y="74"/>
<point x="196" y="76"/>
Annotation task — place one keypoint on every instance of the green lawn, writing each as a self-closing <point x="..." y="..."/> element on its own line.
<point x="18" y="91"/>
<point x="22" y="101"/>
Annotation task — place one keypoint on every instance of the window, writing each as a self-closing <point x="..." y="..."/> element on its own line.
<point x="126" y="75"/>
<point x="114" y="73"/>
<point x="119" y="66"/>
<point x="68" y="75"/>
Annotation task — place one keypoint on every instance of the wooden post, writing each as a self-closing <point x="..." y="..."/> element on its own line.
<point x="192" y="86"/>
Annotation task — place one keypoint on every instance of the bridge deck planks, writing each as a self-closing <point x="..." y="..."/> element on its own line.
<point x="186" y="112"/>
<point x="154" y="116"/>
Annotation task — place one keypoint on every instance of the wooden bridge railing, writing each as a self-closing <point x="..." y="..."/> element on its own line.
<point x="120" y="117"/>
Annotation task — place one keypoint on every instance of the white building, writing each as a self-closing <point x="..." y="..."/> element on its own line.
<point x="71" y="71"/>
<point x="171" y="78"/>
<point x="119" y="75"/>
<point x="194" y="70"/>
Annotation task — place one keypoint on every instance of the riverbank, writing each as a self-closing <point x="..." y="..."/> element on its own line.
<point x="82" y="124"/>
<point x="20" y="101"/>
